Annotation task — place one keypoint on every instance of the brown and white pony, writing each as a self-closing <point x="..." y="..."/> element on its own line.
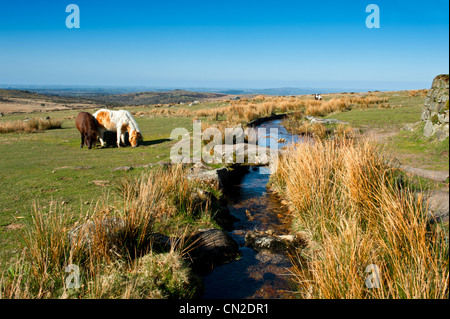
<point x="120" y="121"/>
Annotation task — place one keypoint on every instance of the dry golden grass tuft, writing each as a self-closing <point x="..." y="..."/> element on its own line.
<point x="413" y="93"/>
<point x="354" y="210"/>
<point x="30" y="126"/>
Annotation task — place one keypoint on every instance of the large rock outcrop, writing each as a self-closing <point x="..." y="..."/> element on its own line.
<point x="435" y="110"/>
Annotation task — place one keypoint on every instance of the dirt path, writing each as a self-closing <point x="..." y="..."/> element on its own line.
<point x="379" y="136"/>
<point x="382" y="137"/>
<point x="438" y="176"/>
<point x="438" y="200"/>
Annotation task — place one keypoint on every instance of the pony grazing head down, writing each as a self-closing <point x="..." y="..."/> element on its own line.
<point x="134" y="133"/>
<point x="88" y="126"/>
<point x="91" y="139"/>
<point x="121" y="122"/>
<point x="134" y="138"/>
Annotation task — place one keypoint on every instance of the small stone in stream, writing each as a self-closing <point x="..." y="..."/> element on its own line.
<point x="267" y="240"/>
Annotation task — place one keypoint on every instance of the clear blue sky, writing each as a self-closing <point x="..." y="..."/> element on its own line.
<point x="231" y="43"/>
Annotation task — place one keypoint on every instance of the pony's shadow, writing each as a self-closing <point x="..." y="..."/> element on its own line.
<point x="153" y="142"/>
<point x="111" y="140"/>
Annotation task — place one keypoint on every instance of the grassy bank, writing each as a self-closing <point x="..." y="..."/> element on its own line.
<point x="357" y="212"/>
<point x="114" y="246"/>
<point x="353" y="210"/>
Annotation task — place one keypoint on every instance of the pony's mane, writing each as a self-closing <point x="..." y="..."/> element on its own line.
<point x="131" y="121"/>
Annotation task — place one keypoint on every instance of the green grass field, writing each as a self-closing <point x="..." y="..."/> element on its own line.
<point x="50" y="166"/>
<point x="403" y="110"/>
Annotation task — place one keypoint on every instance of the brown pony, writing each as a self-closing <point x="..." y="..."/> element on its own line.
<point x="88" y="127"/>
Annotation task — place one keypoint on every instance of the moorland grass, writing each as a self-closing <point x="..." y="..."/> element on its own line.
<point x="353" y="210"/>
<point x="29" y="126"/>
<point x="411" y="147"/>
<point x="115" y="261"/>
<point x="428" y="152"/>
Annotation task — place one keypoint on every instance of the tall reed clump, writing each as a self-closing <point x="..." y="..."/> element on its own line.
<point x="422" y="92"/>
<point x="113" y="244"/>
<point x="40" y="270"/>
<point x="30" y="126"/>
<point x="354" y="211"/>
<point x="323" y="108"/>
<point x="168" y="194"/>
<point x="295" y="124"/>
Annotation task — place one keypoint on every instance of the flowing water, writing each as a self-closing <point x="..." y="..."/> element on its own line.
<point x="255" y="274"/>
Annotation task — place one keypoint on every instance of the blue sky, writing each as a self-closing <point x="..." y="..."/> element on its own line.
<point x="230" y="43"/>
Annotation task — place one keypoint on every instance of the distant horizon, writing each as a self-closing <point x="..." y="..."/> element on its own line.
<point x="363" y="86"/>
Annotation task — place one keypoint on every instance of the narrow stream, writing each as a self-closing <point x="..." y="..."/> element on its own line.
<point x="255" y="274"/>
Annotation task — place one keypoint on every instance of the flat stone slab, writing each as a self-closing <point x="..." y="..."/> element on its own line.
<point x="439" y="176"/>
<point x="267" y="240"/>
<point x="251" y="153"/>
<point x="215" y="177"/>
<point x="313" y="119"/>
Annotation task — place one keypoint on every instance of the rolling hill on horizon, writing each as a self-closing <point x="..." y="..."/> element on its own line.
<point x="148" y="98"/>
<point x="10" y="97"/>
